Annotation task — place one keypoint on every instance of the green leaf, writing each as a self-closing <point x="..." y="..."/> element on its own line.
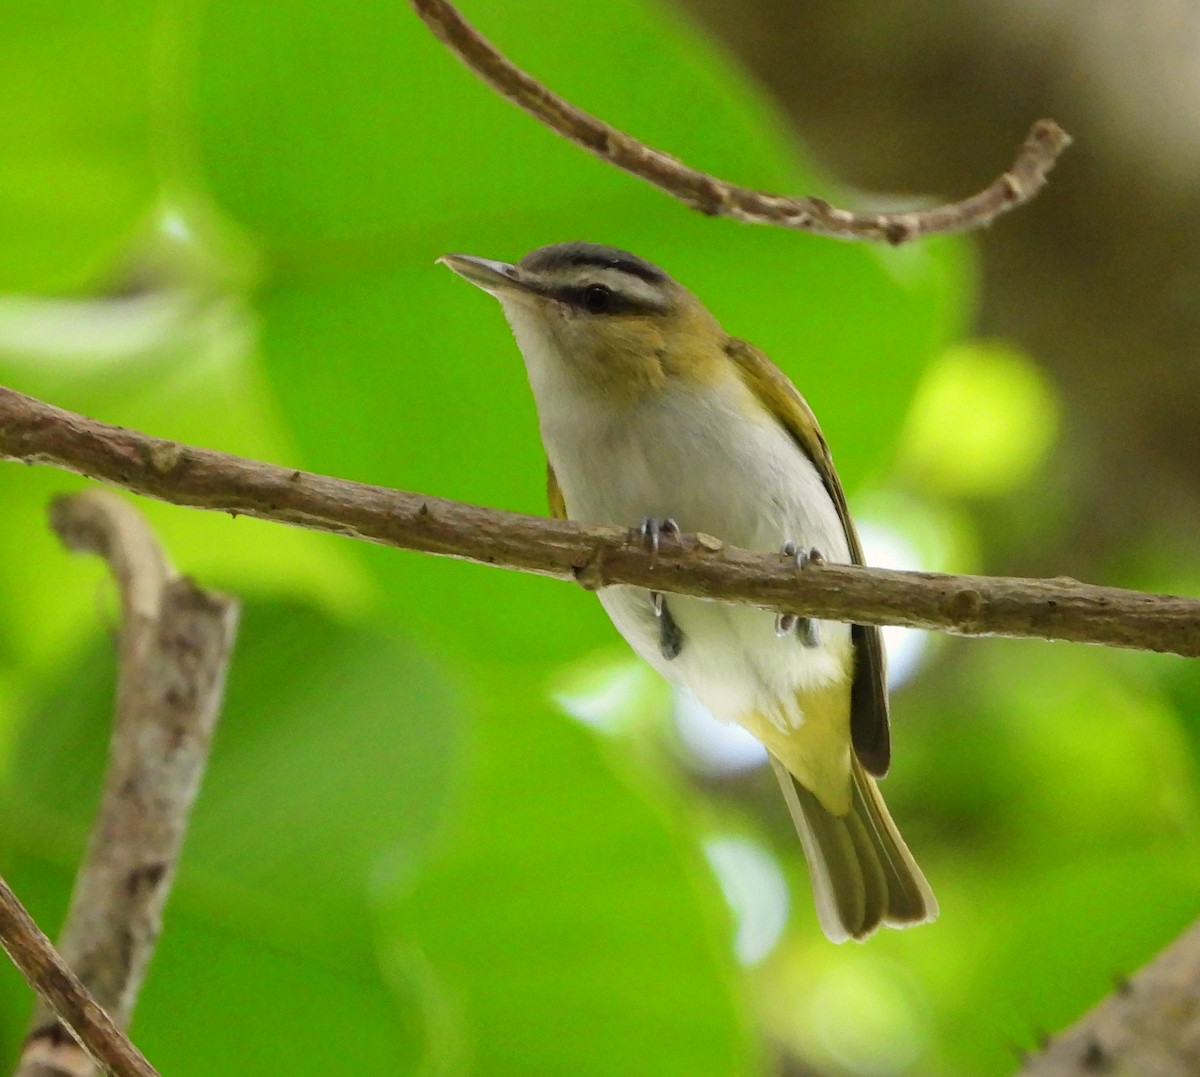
<point x="319" y="123"/>
<point x="75" y="169"/>
<point x="570" y="926"/>
<point x="334" y="754"/>
<point x="328" y="784"/>
<point x="217" y="1001"/>
<point x="48" y="597"/>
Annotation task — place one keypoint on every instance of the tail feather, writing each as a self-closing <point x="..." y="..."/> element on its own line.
<point x="863" y="875"/>
<point x="874" y="876"/>
<point x="909" y="897"/>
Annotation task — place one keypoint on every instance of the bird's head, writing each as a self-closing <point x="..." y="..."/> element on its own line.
<point x="600" y="319"/>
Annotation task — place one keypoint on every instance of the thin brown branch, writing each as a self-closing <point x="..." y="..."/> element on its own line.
<point x="716" y="197"/>
<point x="1060" y="609"/>
<point x="1149" y="1026"/>
<point x="52" y="979"/>
<point x="174" y="648"/>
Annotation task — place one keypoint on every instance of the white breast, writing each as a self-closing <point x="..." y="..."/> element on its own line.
<point x="713" y="460"/>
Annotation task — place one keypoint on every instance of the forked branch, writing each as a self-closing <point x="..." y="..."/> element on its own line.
<point x="174" y="645"/>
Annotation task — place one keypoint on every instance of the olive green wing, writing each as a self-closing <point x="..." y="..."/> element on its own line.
<point x="554" y="494"/>
<point x="869" y="729"/>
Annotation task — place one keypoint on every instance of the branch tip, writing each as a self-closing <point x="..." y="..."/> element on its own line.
<point x="715" y="197"/>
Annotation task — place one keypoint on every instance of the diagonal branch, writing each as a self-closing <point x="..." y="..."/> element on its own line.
<point x="54" y="981"/>
<point x="1149" y="1026"/>
<point x="700" y="565"/>
<point x="716" y="197"/>
<point x="174" y="646"/>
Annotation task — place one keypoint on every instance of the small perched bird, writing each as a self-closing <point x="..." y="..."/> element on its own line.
<point x="650" y="413"/>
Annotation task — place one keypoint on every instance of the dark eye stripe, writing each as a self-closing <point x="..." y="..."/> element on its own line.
<point x="618" y="302"/>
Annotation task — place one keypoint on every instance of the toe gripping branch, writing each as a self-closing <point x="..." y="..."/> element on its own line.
<point x="670" y="638"/>
<point x="806" y="629"/>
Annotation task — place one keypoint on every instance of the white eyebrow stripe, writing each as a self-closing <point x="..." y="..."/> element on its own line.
<point x="639" y="292"/>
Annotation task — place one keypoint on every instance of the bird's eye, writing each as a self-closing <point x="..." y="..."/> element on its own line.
<point x="597" y="298"/>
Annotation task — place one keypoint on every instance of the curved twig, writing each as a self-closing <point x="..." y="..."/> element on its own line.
<point x="1063" y="609"/>
<point x="716" y="197"/>
<point x="103" y="524"/>
<point x="174" y="647"/>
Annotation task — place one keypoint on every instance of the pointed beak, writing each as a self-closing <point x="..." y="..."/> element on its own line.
<point x="498" y="278"/>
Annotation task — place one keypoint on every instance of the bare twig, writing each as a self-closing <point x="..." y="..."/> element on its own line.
<point x="1062" y="609"/>
<point x="174" y="647"/>
<point x="716" y="197"/>
<point x="52" y="979"/>
<point x="1149" y="1026"/>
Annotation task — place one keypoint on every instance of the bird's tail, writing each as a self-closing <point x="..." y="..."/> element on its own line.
<point x="862" y="872"/>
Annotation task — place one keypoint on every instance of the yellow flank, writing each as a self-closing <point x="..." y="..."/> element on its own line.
<point x="817" y="753"/>
<point x="630" y="357"/>
<point x="554" y="494"/>
<point x="692" y="352"/>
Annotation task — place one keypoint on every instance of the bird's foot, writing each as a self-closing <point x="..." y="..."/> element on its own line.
<point x="803" y="558"/>
<point x="670" y="638"/>
<point x="806" y="629"/>
<point x="652" y="529"/>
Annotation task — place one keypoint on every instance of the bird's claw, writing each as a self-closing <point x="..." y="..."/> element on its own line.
<point x="806" y="628"/>
<point x="670" y="638"/>
<point x="652" y="529"/>
<point x="803" y="558"/>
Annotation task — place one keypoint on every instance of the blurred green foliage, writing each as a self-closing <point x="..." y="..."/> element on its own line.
<point x="218" y="224"/>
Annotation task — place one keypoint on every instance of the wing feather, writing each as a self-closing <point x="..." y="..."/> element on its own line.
<point x="554" y="494"/>
<point x="869" y="727"/>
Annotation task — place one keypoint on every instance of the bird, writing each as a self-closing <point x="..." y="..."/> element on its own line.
<point x="652" y="416"/>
